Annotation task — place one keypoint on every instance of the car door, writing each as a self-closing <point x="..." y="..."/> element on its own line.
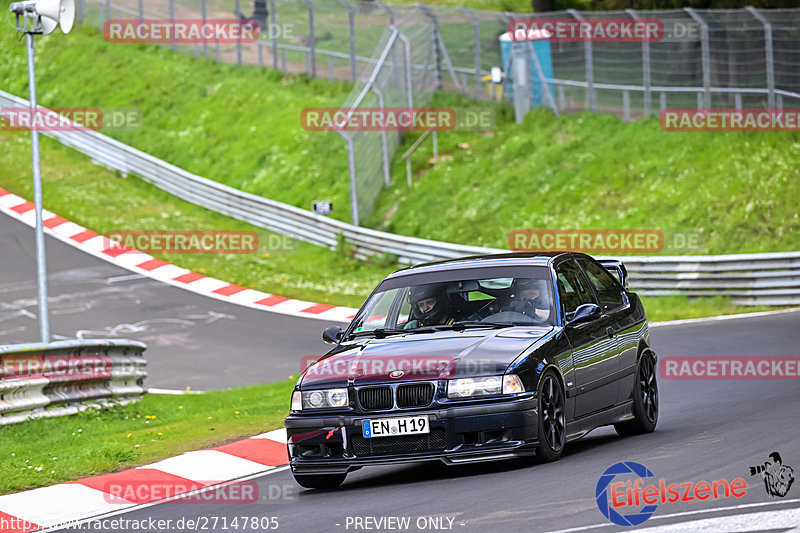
<point x="627" y="333"/>
<point x="593" y="347"/>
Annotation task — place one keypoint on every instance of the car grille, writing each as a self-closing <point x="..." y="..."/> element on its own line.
<point x="375" y="398"/>
<point x="415" y="395"/>
<point x="434" y="441"/>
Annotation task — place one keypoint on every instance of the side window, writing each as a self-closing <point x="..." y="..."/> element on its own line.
<point x="608" y="291"/>
<point x="572" y="287"/>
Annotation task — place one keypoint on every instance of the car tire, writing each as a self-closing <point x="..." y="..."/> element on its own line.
<point x="552" y="418"/>
<point x="319" y="481"/>
<point x="645" y="400"/>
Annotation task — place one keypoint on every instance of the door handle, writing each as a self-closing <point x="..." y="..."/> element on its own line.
<point x="609" y="332"/>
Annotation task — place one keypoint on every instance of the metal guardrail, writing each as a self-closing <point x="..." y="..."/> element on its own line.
<point x="64" y="377"/>
<point x="750" y="279"/>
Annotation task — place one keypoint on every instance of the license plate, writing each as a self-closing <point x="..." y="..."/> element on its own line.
<point x="392" y="427"/>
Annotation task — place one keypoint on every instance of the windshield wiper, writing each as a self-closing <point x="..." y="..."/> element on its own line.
<point x="378" y="332"/>
<point x="477" y="324"/>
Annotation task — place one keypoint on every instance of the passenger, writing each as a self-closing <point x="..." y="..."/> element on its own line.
<point x="531" y="298"/>
<point x="429" y="306"/>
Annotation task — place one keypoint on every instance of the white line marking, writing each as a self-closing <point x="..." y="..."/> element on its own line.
<point x="722" y="317"/>
<point x="174" y="392"/>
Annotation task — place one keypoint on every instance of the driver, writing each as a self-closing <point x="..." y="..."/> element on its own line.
<point x="429" y="306"/>
<point x="530" y="298"/>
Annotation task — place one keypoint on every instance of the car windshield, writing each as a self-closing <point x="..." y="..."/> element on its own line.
<point x="421" y="303"/>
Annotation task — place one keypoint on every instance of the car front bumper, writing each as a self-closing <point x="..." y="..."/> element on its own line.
<point x="458" y="434"/>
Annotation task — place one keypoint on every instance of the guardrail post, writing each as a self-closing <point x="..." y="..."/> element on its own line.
<point x="476" y="35"/>
<point x="437" y="60"/>
<point x="351" y="25"/>
<point x="705" y="56"/>
<point x="273" y="31"/>
<point x="312" y="41"/>
<point x="646" y="81"/>
<point x="769" y="58"/>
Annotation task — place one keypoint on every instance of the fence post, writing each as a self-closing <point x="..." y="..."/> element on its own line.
<point x="384" y="143"/>
<point x="437" y="60"/>
<point x="351" y="24"/>
<point x="407" y="51"/>
<point x="646" y="80"/>
<point x="141" y="9"/>
<point x="239" y="38"/>
<point x="770" y="59"/>
<point x="476" y="32"/>
<point x="273" y="31"/>
<point x="205" y="44"/>
<point x="390" y="13"/>
<point x="174" y="45"/>
<point x="591" y="97"/>
<point x="626" y="105"/>
<point x="518" y="65"/>
<point x="546" y="92"/>
<point x="351" y="163"/>
<point x="81" y="11"/>
<point x="311" y="40"/>
<point x="706" y="56"/>
<point x="101" y="15"/>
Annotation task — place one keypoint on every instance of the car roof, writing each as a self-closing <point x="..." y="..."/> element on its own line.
<point x="478" y="261"/>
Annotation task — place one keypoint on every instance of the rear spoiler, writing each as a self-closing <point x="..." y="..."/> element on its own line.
<point x="617" y="270"/>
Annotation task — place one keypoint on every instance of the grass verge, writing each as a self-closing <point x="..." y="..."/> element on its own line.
<point x="44" y="452"/>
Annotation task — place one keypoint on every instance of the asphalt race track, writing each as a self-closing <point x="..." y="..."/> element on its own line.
<point x="192" y="340"/>
<point x="708" y="430"/>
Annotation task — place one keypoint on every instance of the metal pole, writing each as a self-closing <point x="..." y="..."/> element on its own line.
<point x="390" y="14"/>
<point x="437" y="61"/>
<point x="239" y="39"/>
<point x="591" y="96"/>
<point x="273" y="30"/>
<point x="476" y="35"/>
<point x="141" y="9"/>
<point x="351" y="164"/>
<point x="770" y="59"/>
<point x="384" y="143"/>
<point x="311" y="40"/>
<point x="706" y="56"/>
<point x="351" y="14"/>
<point x="41" y="264"/>
<point x="172" y="20"/>
<point x="646" y="77"/>
<point x="205" y="44"/>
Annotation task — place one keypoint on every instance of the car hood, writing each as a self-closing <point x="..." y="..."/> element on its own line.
<point x="427" y="356"/>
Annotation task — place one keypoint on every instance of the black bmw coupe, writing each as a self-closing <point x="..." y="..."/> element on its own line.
<point x="476" y="359"/>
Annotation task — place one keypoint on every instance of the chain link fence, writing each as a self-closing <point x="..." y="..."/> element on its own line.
<point x="398" y="55"/>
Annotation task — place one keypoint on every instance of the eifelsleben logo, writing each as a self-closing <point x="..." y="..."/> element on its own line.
<point x="604" y="503"/>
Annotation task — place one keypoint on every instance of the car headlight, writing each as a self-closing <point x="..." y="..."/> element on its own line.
<point x="319" y="399"/>
<point x="484" y="386"/>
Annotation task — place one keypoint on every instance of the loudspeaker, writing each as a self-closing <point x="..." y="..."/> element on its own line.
<point x="52" y="13"/>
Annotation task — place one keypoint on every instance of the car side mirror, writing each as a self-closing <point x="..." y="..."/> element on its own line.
<point x="584" y="313"/>
<point x="332" y="335"/>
